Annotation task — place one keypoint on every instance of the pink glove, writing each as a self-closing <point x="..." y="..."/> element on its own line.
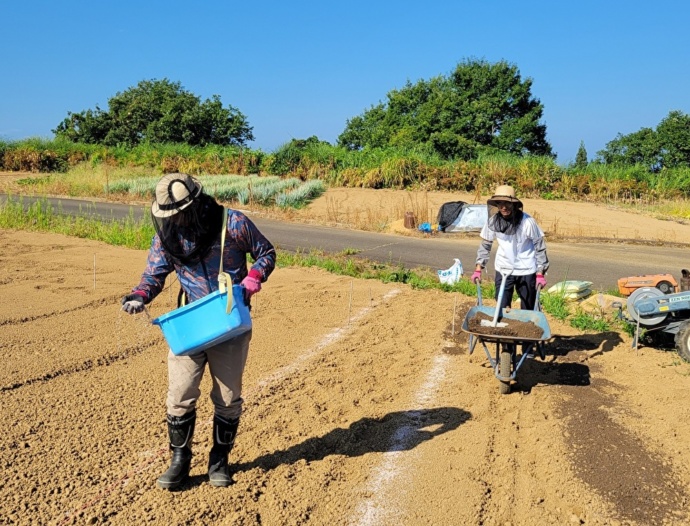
<point x="476" y="276"/>
<point x="251" y="284"/>
<point x="541" y="281"/>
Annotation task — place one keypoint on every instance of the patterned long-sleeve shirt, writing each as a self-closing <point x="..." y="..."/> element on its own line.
<point x="241" y="238"/>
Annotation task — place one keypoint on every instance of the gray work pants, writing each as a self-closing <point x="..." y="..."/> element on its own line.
<point x="226" y="363"/>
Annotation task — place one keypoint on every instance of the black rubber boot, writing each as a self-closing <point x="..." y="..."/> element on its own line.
<point x="224" y="433"/>
<point x="180" y="432"/>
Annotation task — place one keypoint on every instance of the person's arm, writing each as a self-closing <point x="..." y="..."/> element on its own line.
<point x="483" y="253"/>
<point x="260" y="249"/>
<point x="542" y="258"/>
<point x="157" y="269"/>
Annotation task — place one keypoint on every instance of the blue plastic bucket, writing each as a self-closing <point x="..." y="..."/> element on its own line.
<point x="205" y="323"/>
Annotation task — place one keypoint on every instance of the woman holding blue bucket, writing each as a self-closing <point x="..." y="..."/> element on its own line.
<point x="188" y="241"/>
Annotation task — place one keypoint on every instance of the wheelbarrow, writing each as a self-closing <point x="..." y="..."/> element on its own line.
<point x="506" y="363"/>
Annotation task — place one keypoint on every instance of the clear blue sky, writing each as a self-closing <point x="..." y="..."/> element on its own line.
<point x="297" y="69"/>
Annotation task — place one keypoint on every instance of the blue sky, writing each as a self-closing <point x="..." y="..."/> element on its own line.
<point x="297" y="69"/>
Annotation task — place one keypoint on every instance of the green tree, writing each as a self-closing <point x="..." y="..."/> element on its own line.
<point x="157" y="111"/>
<point x="581" y="157"/>
<point x="479" y="106"/>
<point x="667" y="146"/>
<point x="673" y="134"/>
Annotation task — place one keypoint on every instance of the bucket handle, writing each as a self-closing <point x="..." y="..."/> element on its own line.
<point x="223" y="277"/>
<point x="223" y="280"/>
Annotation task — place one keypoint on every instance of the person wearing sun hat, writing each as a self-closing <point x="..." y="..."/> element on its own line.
<point x="188" y="225"/>
<point x="521" y="248"/>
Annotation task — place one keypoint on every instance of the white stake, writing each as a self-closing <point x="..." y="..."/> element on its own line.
<point x="349" y="313"/>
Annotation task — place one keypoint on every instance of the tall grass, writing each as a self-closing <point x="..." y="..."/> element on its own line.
<point x="532" y="176"/>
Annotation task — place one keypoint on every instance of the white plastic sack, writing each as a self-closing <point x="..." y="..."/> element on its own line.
<point x="451" y="275"/>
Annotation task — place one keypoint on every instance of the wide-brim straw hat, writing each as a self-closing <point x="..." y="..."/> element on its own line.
<point x="504" y="193"/>
<point x="174" y="193"/>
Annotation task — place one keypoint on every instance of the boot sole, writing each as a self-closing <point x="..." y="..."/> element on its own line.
<point x="171" y="485"/>
<point x="220" y="483"/>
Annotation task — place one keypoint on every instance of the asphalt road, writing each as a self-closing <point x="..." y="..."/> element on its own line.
<point x="601" y="263"/>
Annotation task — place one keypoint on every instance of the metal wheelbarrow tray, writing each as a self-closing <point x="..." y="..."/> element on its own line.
<point x="506" y="363"/>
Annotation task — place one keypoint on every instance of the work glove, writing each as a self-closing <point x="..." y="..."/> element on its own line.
<point x="541" y="281"/>
<point x="133" y="303"/>
<point x="251" y="285"/>
<point x="476" y="276"/>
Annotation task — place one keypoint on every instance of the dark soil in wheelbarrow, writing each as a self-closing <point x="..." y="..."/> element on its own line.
<point x="515" y="328"/>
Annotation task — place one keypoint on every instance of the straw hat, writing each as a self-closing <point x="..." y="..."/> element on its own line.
<point x="504" y="193"/>
<point x="174" y="193"/>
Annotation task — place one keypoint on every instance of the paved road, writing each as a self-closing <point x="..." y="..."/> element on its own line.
<point x="601" y="264"/>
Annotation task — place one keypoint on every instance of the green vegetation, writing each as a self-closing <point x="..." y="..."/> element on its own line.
<point x="468" y="131"/>
<point x="286" y="193"/>
<point x="40" y="217"/>
<point x="532" y="176"/>
<point x="666" y="147"/>
<point x="581" y="157"/>
<point x="480" y="107"/>
<point x="157" y="112"/>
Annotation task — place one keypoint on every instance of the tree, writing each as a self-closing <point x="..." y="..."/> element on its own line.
<point x="478" y="106"/>
<point x="581" y="157"/>
<point x="157" y="111"/>
<point x="667" y="146"/>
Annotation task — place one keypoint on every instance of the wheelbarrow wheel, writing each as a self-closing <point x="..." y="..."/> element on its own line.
<point x="683" y="341"/>
<point x="504" y="370"/>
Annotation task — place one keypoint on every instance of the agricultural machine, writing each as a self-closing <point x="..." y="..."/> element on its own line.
<point x="649" y="308"/>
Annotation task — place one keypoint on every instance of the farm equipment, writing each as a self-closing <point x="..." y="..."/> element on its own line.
<point x="666" y="283"/>
<point x="650" y="309"/>
<point x="506" y="363"/>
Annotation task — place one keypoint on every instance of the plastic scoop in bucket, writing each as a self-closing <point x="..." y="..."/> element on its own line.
<point x="499" y="302"/>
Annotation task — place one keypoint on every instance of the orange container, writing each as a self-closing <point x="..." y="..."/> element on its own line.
<point x="666" y="283"/>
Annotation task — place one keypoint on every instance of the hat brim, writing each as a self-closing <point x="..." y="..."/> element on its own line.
<point x="495" y="200"/>
<point x="162" y="214"/>
<point x="157" y="212"/>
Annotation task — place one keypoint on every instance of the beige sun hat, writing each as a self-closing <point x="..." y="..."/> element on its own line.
<point x="504" y="193"/>
<point x="174" y="192"/>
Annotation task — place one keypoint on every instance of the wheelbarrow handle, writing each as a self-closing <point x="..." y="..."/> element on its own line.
<point x="537" y="302"/>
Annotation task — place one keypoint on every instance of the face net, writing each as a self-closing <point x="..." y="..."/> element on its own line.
<point x="507" y="224"/>
<point x="188" y="235"/>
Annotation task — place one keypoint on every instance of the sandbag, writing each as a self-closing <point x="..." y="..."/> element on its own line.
<point x="569" y="287"/>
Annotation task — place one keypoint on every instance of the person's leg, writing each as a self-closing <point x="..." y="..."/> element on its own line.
<point x="527" y="292"/>
<point x="226" y="364"/>
<point x="184" y="377"/>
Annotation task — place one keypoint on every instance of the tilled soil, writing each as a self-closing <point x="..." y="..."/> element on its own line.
<point x="362" y="406"/>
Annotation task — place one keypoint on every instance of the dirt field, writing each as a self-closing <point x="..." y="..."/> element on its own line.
<point x="362" y="406"/>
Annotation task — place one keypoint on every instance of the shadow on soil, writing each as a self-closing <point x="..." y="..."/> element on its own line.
<point x="563" y="363"/>
<point x="399" y="431"/>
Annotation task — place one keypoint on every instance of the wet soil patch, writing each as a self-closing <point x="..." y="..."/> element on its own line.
<point x="615" y="463"/>
<point x="513" y="328"/>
